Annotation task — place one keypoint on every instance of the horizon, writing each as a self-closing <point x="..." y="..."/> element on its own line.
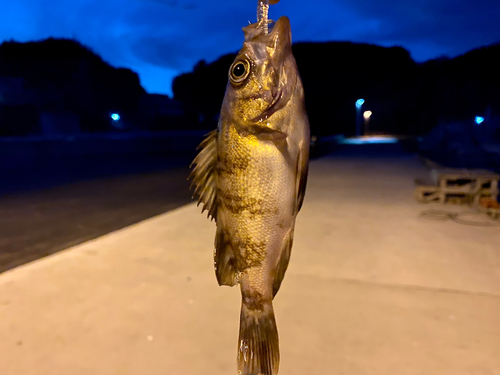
<point x="160" y="39"/>
<point x="170" y="93"/>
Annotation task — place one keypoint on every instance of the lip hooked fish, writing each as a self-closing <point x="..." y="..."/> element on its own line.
<point x="250" y="175"/>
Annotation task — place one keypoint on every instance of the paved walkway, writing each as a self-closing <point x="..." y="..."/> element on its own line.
<point x="372" y="288"/>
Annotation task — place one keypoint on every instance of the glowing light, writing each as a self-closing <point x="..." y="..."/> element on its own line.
<point x="360" y="102"/>
<point x="369" y="140"/>
<point x="367" y="114"/>
<point x="115" y="116"/>
<point x="479" y="119"/>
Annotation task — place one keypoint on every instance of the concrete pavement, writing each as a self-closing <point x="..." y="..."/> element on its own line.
<point x="372" y="288"/>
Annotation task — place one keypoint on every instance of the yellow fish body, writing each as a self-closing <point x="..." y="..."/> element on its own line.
<point x="250" y="176"/>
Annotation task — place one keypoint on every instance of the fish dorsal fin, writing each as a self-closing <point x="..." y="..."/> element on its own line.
<point x="204" y="174"/>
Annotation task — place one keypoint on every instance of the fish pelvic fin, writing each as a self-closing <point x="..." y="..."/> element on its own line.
<point x="301" y="172"/>
<point x="225" y="270"/>
<point x="203" y="174"/>
<point x="284" y="259"/>
<point x="258" y="349"/>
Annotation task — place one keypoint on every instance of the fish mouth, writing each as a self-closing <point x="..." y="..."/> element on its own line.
<point x="274" y="32"/>
<point x="279" y="40"/>
<point x="281" y="31"/>
<point x="276" y="104"/>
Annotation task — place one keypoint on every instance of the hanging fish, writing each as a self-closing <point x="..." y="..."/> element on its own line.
<point x="250" y="175"/>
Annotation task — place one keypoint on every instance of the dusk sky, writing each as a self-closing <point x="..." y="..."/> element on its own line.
<point x="159" y="39"/>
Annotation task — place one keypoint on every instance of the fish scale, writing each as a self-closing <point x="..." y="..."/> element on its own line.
<point x="252" y="215"/>
<point x="250" y="175"/>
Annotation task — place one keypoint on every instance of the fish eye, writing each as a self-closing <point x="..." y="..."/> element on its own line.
<point x="239" y="71"/>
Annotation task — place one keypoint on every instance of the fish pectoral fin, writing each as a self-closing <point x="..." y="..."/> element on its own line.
<point x="204" y="176"/>
<point x="265" y="133"/>
<point x="286" y="251"/>
<point x="301" y="173"/>
<point x="224" y="259"/>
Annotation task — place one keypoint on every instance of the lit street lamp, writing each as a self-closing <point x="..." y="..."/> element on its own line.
<point x="115" y="121"/>
<point x="366" y="116"/>
<point x="359" y="104"/>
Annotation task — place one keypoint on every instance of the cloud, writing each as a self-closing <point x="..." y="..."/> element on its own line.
<point x="436" y="27"/>
<point x="161" y="38"/>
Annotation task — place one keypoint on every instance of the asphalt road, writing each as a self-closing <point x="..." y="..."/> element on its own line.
<point x="53" y="210"/>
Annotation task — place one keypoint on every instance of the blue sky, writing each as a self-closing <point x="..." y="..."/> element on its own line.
<point x="159" y="39"/>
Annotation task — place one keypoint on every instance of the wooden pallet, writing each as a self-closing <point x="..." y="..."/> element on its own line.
<point x="425" y="192"/>
<point x="458" y="186"/>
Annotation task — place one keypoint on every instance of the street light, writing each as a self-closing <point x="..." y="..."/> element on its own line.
<point x="479" y="120"/>
<point x="115" y="116"/>
<point x="359" y="104"/>
<point x="366" y="116"/>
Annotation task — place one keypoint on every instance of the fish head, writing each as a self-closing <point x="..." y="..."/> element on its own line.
<point x="263" y="75"/>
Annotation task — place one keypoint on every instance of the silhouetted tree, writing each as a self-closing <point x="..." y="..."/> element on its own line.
<point x="202" y="90"/>
<point x="61" y="75"/>
<point x="405" y="97"/>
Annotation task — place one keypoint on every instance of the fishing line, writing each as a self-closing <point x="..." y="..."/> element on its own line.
<point x="263" y="15"/>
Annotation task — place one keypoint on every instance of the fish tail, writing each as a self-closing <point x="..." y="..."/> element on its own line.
<point x="258" y="350"/>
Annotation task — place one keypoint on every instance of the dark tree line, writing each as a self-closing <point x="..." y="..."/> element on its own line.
<point x="60" y="75"/>
<point x="63" y="76"/>
<point x="405" y="97"/>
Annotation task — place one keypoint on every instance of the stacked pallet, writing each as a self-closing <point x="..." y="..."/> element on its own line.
<point x="458" y="186"/>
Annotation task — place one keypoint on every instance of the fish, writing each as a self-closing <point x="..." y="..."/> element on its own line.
<point x="250" y="176"/>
